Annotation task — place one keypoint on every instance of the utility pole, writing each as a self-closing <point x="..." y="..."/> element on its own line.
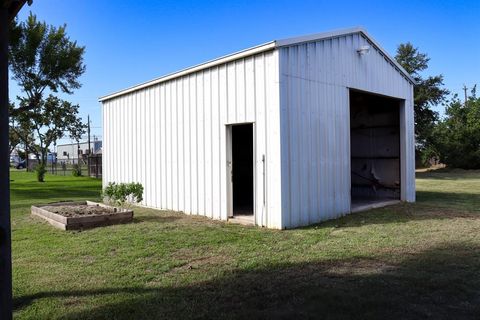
<point x="8" y="11"/>
<point x="88" y="131"/>
<point x="89" y="154"/>
<point x="26" y="157"/>
<point x="54" y="158"/>
<point x="465" y="91"/>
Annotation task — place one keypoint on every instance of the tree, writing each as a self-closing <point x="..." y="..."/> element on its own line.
<point x="49" y="121"/>
<point x="18" y="134"/>
<point x="457" y="136"/>
<point x="44" y="62"/>
<point x="428" y="92"/>
<point x="43" y="57"/>
<point x="13" y="139"/>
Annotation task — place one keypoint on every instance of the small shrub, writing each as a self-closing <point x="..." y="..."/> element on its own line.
<point x="76" y="170"/>
<point x="123" y="193"/>
<point x="40" y="172"/>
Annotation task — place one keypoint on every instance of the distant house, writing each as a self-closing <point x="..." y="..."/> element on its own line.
<point x="71" y="152"/>
<point x="281" y="135"/>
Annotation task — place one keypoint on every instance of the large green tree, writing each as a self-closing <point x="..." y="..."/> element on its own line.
<point x="44" y="62"/>
<point x="457" y="135"/>
<point x="428" y="92"/>
<point x="49" y="121"/>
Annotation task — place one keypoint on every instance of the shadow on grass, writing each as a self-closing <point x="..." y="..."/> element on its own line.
<point x="441" y="283"/>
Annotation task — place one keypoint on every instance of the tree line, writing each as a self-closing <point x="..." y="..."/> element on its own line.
<point x="454" y="138"/>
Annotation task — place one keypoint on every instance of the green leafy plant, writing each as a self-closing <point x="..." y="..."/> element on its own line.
<point x="122" y="194"/>
<point x="40" y="171"/>
<point x="76" y="170"/>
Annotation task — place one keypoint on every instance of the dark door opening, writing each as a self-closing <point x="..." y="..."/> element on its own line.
<point x="242" y="169"/>
<point x="375" y="148"/>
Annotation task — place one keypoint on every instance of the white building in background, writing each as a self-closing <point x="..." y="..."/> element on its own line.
<point x="71" y="152"/>
<point x="285" y="134"/>
<point x="14" y="157"/>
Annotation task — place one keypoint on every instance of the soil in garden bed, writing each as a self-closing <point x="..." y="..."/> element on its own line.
<point x="78" y="210"/>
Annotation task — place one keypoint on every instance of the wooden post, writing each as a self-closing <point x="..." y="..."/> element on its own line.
<point x="8" y="11"/>
<point x="5" y="234"/>
<point x="89" y="146"/>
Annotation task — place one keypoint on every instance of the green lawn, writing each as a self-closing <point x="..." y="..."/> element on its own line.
<point x="407" y="261"/>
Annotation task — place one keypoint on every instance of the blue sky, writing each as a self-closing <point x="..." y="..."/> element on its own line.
<point x="128" y="42"/>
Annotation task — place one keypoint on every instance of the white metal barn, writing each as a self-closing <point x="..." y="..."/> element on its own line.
<point x="286" y="134"/>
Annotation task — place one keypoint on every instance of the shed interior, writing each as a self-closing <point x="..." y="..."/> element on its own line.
<point x="375" y="149"/>
<point x="242" y="170"/>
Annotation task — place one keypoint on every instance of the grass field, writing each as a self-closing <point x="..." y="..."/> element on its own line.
<point x="408" y="261"/>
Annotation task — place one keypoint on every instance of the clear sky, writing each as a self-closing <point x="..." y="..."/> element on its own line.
<point x="128" y="42"/>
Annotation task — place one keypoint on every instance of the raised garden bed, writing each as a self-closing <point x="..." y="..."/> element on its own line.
<point x="81" y="214"/>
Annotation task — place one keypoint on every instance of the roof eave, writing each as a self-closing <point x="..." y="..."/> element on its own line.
<point x="317" y="36"/>
<point x="387" y="55"/>
<point x="224" y="59"/>
<point x="262" y="48"/>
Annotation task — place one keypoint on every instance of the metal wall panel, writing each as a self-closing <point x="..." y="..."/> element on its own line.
<point x="171" y="137"/>
<point x="315" y="78"/>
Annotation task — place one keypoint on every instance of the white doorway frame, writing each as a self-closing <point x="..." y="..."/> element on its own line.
<point x="229" y="166"/>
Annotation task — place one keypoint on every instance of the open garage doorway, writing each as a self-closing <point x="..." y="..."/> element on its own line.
<point x="375" y="150"/>
<point x="241" y="172"/>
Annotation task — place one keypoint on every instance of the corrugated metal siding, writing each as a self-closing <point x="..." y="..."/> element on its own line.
<point x="315" y="78"/>
<point x="171" y="137"/>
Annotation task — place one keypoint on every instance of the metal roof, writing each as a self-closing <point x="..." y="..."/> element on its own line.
<point x="262" y="48"/>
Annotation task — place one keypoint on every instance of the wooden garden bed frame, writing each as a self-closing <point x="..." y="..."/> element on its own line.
<point x="83" y="222"/>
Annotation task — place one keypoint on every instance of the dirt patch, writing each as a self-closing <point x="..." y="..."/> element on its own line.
<point x="79" y="210"/>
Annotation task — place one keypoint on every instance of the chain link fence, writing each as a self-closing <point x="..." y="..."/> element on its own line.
<point x="95" y="165"/>
<point x="89" y="166"/>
